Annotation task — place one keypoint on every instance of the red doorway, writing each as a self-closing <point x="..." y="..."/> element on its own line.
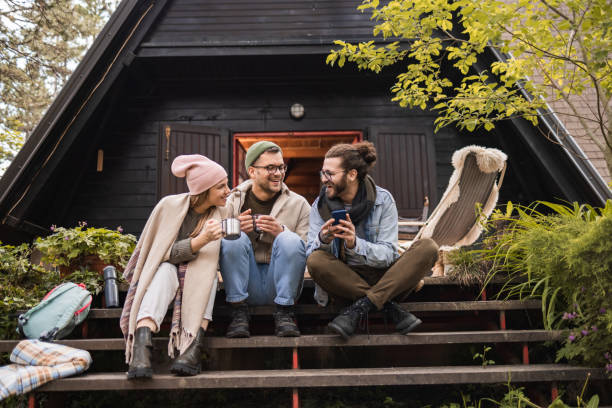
<point x="303" y="153"/>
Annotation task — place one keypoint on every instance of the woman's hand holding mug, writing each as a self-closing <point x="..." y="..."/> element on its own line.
<point x="210" y="232"/>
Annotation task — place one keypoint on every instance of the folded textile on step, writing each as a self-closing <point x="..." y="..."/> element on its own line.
<point x="36" y="363"/>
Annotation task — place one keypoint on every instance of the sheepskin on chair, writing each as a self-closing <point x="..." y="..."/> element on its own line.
<point x="456" y="222"/>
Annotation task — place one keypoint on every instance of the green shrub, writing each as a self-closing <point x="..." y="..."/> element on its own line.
<point x="564" y="257"/>
<point x="23" y="284"/>
<point x="20" y="279"/>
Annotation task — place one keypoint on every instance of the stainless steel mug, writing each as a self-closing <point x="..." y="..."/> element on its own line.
<point x="230" y="228"/>
<point x="255" y="227"/>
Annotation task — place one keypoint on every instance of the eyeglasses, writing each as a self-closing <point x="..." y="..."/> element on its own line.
<point x="271" y="169"/>
<point x="328" y="174"/>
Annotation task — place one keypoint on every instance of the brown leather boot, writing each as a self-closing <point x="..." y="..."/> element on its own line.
<point x="190" y="362"/>
<point x="140" y="367"/>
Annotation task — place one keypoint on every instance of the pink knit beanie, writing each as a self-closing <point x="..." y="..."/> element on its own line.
<point x="201" y="172"/>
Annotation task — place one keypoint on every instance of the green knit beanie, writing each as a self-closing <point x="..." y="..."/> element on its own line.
<point x="256" y="150"/>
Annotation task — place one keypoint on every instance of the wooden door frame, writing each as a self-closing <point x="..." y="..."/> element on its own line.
<point x="357" y="137"/>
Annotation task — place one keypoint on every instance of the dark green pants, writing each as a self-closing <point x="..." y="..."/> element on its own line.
<point x="378" y="284"/>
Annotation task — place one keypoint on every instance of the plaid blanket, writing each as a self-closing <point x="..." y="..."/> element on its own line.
<point x="38" y="362"/>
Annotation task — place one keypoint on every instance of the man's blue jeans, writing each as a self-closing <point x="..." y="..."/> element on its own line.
<point x="279" y="282"/>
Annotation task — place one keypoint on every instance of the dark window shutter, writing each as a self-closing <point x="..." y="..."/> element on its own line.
<point x="406" y="166"/>
<point x="177" y="139"/>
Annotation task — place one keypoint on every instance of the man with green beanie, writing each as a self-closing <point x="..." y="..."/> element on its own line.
<point x="266" y="264"/>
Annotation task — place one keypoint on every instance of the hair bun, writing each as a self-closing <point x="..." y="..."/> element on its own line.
<point x="367" y="151"/>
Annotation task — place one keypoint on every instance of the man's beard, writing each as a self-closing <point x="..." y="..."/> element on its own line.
<point x="267" y="186"/>
<point x="338" y="187"/>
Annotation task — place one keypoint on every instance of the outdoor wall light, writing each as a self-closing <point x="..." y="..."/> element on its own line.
<point x="297" y="111"/>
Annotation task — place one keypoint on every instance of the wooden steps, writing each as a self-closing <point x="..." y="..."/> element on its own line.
<point x="452" y="321"/>
<point x="330" y="340"/>
<point x="311" y="309"/>
<point x="331" y="378"/>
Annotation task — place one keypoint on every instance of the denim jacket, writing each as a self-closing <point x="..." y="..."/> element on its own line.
<point x="379" y="248"/>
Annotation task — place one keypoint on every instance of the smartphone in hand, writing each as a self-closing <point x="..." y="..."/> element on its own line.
<point x="338" y="215"/>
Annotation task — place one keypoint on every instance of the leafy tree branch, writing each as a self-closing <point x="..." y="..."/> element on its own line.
<point x="555" y="50"/>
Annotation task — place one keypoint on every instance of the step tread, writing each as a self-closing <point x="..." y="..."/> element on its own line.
<point x="330" y="340"/>
<point x="429" y="281"/>
<point x="331" y="377"/>
<point x="458" y="306"/>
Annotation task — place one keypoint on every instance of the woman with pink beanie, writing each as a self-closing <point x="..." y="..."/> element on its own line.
<point x="176" y="261"/>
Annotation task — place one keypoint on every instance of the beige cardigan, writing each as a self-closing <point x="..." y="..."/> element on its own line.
<point x="290" y="209"/>
<point x="152" y="249"/>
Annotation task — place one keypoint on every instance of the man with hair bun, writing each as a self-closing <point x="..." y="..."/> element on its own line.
<point x="357" y="258"/>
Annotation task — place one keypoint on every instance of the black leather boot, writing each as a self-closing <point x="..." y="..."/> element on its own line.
<point x="239" y="326"/>
<point x="140" y="367"/>
<point x="284" y="322"/>
<point x="346" y="323"/>
<point x="190" y="362"/>
<point x="404" y="321"/>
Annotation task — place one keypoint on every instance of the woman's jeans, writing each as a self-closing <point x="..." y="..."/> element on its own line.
<point x="279" y="282"/>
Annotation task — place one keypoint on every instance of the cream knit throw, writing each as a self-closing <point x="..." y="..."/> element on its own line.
<point x="152" y="249"/>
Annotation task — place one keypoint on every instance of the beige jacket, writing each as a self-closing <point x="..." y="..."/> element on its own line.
<point x="290" y="209"/>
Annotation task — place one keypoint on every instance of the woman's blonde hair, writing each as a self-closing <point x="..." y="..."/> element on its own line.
<point x="194" y="202"/>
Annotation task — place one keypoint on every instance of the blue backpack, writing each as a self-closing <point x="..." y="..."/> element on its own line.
<point x="64" y="307"/>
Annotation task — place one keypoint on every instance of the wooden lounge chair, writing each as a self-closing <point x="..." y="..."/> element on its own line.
<point x="469" y="200"/>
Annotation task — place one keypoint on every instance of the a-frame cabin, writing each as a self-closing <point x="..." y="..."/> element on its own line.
<point x="168" y="77"/>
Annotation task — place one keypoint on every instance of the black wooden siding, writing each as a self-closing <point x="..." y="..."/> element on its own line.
<point x="126" y="188"/>
<point x="240" y="94"/>
<point x="233" y="22"/>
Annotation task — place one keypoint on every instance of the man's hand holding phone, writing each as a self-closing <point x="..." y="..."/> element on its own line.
<point x="339" y="226"/>
<point x="346" y="230"/>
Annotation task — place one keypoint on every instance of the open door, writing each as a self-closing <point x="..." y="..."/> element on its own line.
<point x="303" y="153"/>
<point x="178" y="139"/>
